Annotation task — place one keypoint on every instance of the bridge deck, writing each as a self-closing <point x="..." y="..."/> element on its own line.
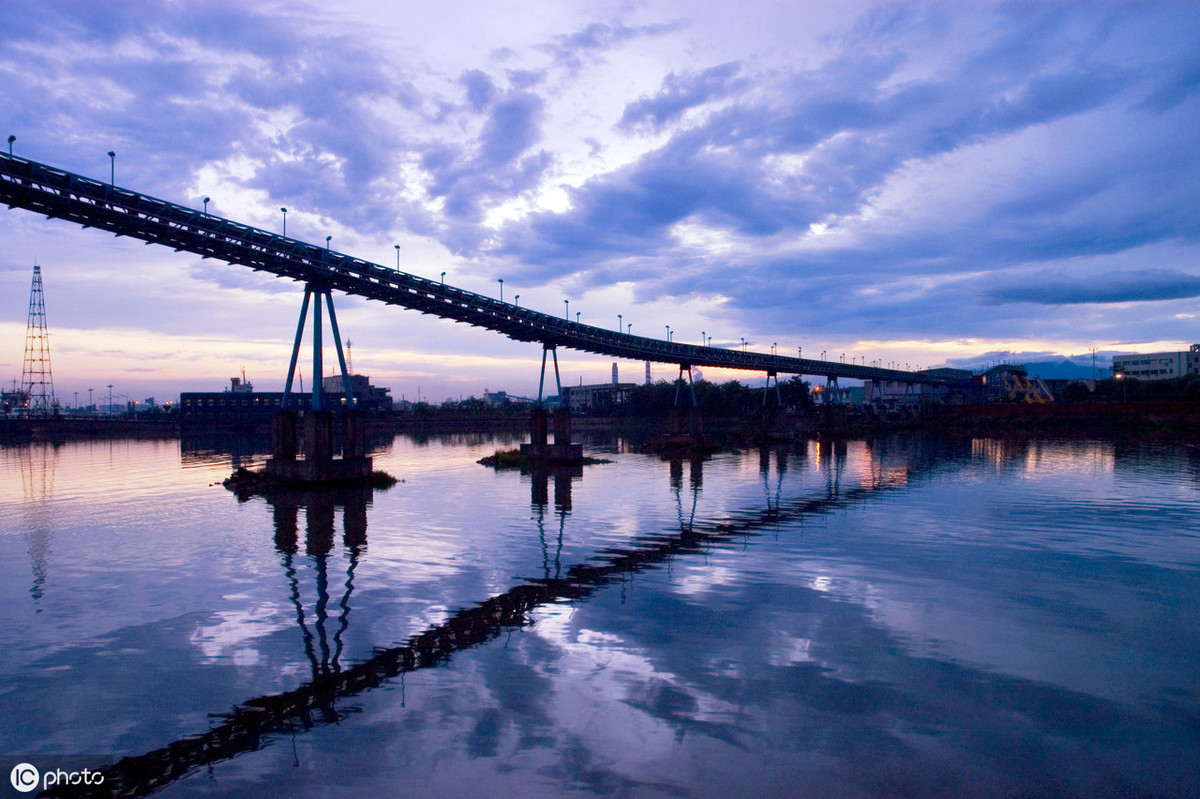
<point x="59" y="194"/>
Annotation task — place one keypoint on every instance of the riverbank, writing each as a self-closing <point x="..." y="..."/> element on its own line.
<point x="1152" y="418"/>
<point x="15" y="430"/>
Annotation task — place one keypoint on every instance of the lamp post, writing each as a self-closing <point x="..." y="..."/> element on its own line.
<point x="91" y="407"/>
<point x="629" y="328"/>
<point x="11" y="139"/>
<point x="702" y="335"/>
<point x="668" y="327"/>
<point x="112" y="167"/>
<point x="518" y="300"/>
<point x="443" y="278"/>
<point x="397" y="246"/>
<point x="577" y="314"/>
<point x="206" y="201"/>
<point x="773" y="345"/>
<point x="743" y="338"/>
<point x="500" y="280"/>
<point x="567" y="310"/>
<point x="284" y="221"/>
<point x="619" y="322"/>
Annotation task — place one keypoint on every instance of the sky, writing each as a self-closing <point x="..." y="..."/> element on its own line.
<point x="912" y="183"/>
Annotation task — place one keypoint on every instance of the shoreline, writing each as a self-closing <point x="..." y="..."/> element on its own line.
<point x="1176" y="419"/>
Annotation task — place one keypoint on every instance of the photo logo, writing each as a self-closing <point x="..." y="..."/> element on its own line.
<point x="24" y="777"/>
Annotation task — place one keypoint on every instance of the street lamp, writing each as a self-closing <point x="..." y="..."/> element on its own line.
<point x="702" y="335"/>
<point x="773" y="345"/>
<point x="518" y="300"/>
<point x="567" y="310"/>
<point x="743" y="338"/>
<point x="112" y="165"/>
<point x="629" y="328"/>
<point x="327" y="238"/>
<point x="443" y="278"/>
<point x="500" y="280"/>
<point x="668" y="327"/>
<point x="619" y="323"/>
<point x="11" y="139"/>
<point x="577" y="314"/>
<point x="397" y="246"/>
<point x="284" y="221"/>
<point x="206" y="200"/>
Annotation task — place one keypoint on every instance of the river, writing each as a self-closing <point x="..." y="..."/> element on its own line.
<point x="907" y="615"/>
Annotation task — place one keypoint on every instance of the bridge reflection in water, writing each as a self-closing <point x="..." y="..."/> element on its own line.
<point x="252" y="724"/>
<point x="320" y="507"/>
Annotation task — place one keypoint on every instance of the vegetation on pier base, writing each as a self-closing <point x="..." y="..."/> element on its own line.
<point x="515" y="459"/>
<point x="246" y="483"/>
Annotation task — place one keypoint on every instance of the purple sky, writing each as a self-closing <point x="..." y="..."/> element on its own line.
<point x="923" y="183"/>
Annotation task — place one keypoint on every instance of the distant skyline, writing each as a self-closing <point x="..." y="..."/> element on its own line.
<point x="924" y="183"/>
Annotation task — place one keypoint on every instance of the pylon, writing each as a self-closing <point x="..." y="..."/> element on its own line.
<point x="36" y="377"/>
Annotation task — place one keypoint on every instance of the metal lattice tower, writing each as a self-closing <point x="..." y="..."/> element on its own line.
<point x="36" y="377"/>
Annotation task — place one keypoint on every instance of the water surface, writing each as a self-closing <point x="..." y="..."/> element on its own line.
<point x="901" y="616"/>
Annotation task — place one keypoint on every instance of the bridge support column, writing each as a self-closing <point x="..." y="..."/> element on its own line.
<point x="771" y="418"/>
<point x="318" y="464"/>
<point x="562" y="426"/>
<point x="354" y="434"/>
<point x="283" y="435"/>
<point x="538" y="447"/>
<point x="539" y="426"/>
<point x="833" y="414"/>
<point x="686" y="422"/>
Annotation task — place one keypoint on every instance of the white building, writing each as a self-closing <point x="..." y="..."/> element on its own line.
<point x="1158" y="365"/>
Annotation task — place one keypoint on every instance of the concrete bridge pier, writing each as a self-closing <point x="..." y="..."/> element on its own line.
<point x="833" y="412"/>
<point x="317" y="425"/>
<point x="686" y="422"/>
<point x="538" y="447"/>
<point x="772" y="424"/>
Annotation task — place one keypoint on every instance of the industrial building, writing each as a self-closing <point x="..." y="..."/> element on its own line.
<point x="241" y="404"/>
<point x="597" y="397"/>
<point x="1158" y="365"/>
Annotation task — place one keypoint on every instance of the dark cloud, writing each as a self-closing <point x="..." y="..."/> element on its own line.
<point x="678" y="94"/>
<point x="1143" y="286"/>
<point x="599" y="37"/>
<point x="480" y="89"/>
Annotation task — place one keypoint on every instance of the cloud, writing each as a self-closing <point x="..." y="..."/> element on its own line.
<point x="598" y="37"/>
<point x="678" y="94"/>
<point x="1143" y="286"/>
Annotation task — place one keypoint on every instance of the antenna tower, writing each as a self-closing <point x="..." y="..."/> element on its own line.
<point x="36" y="377"/>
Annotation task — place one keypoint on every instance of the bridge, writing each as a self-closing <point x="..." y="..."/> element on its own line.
<point x="59" y="194"/>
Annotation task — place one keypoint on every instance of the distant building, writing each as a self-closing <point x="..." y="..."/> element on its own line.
<point x="495" y="399"/>
<point x="1158" y="365"/>
<point x="241" y="404"/>
<point x="598" y="397"/>
<point x="894" y="393"/>
<point x="366" y="396"/>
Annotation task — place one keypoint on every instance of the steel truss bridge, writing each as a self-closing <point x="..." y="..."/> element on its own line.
<point x="58" y="194"/>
